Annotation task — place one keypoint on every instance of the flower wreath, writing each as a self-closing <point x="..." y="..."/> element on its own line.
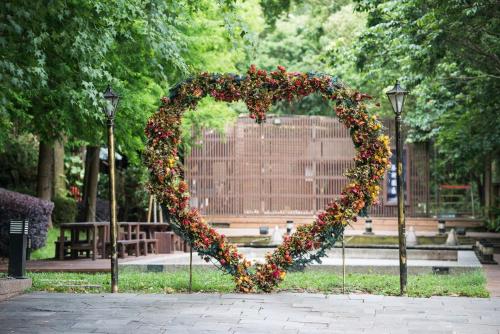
<point x="259" y="90"/>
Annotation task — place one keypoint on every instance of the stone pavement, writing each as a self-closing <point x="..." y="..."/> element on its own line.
<point x="237" y="313"/>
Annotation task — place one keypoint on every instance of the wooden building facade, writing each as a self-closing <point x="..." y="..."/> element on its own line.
<point x="290" y="166"/>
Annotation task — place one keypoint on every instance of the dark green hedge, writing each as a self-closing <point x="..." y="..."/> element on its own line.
<point x="65" y="210"/>
<point x="15" y="205"/>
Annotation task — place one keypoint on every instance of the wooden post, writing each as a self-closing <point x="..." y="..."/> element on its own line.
<point x="160" y="212"/>
<point x="150" y="207"/>
<point x="155" y="208"/>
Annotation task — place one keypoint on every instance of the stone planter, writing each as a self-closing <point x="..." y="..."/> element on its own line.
<point x="10" y="287"/>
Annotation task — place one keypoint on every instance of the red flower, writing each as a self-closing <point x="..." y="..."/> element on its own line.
<point x="276" y="274"/>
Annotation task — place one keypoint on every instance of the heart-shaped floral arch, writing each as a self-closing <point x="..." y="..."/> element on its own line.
<point x="259" y="90"/>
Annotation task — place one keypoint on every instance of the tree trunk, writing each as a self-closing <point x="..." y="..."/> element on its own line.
<point x="488" y="187"/>
<point x="44" y="176"/>
<point x="480" y="190"/>
<point x="59" y="182"/>
<point x="120" y="189"/>
<point x="90" y="182"/>
<point x="44" y="173"/>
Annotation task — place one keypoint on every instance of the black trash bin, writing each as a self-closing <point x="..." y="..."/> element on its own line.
<point x="18" y="243"/>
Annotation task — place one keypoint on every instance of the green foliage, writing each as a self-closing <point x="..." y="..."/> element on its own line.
<point x="493" y="224"/>
<point x="209" y="114"/>
<point x="57" y="57"/>
<point x="471" y="284"/>
<point x="48" y="251"/>
<point x="274" y="8"/>
<point x="18" y="157"/>
<point x="447" y="53"/>
<point x="74" y="169"/>
<point x="315" y="36"/>
<point x="134" y="199"/>
<point x="65" y="210"/>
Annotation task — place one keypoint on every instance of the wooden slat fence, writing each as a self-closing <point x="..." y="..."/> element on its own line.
<point x="294" y="168"/>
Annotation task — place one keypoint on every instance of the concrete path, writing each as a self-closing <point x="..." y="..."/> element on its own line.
<point x="256" y="314"/>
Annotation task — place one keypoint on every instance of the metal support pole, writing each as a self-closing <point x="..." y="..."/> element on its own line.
<point x="190" y="288"/>
<point x="343" y="265"/>
<point x="155" y="209"/>
<point x="112" y="207"/>
<point x="403" y="279"/>
<point x="150" y="208"/>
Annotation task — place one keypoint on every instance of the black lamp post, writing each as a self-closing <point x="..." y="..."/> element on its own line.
<point x="397" y="96"/>
<point x="111" y="102"/>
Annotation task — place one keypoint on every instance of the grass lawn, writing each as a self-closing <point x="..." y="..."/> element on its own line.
<point x="470" y="284"/>
<point x="48" y="251"/>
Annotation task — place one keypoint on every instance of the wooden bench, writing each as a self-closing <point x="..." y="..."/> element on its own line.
<point x="71" y="249"/>
<point x="66" y="250"/>
<point x="124" y="244"/>
<point x="147" y="244"/>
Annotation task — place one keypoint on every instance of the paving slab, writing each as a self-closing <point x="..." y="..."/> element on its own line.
<point x="47" y="313"/>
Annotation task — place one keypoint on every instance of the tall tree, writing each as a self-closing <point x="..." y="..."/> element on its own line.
<point x="57" y="57"/>
<point x="448" y="53"/>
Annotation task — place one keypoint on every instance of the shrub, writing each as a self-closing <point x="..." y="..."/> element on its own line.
<point x="492" y="220"/>
<point x="20" y="206"/>
<point x="65" y="210"/>
<point x="18" y="167"/>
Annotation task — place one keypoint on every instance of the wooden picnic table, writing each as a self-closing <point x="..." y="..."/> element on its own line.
<point x="162" y="233"/>
<point x="131" y="230"/>
<point x="93" y="231"/>
<point x="97" y="236"/>
<point x="151" y="228"/>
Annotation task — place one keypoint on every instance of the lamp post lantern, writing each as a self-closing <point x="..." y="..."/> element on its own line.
<point x="397" y="96"/>
<point x="111" y="102"/>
